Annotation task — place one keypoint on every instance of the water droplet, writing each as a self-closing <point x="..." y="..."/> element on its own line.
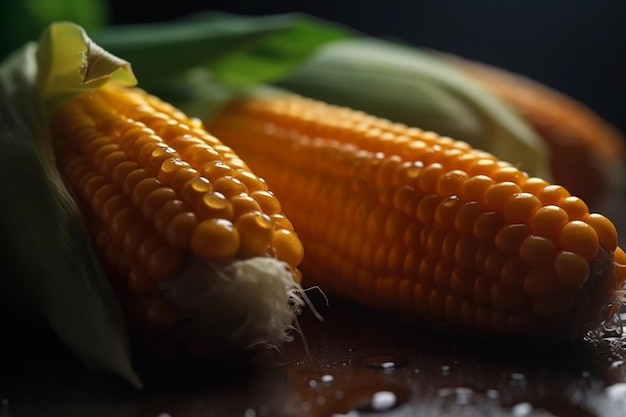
<point x="492" y="393"/>
<point x="383" y="400"/>
<point x="518" y="378"/>
<point x="249" y="412"/>
<point x="617" y="364"/>
<point x="445" y="370"/>
<point x="384" y="362"/>
<point x="522" y="409"/>
<point x="327" y="378"/>
<point x="616" y="391"/>
<point x="461" y="395"/>
<point x="371" y="399"/>
<point x="164" y="415"/>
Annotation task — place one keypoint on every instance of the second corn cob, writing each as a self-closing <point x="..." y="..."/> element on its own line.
<point x="407" y="221"/>
<point x="197" y="245"/>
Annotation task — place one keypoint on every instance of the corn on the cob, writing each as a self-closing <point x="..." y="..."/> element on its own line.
<point x="409" y="222"/>
<point x="199" y="249"/>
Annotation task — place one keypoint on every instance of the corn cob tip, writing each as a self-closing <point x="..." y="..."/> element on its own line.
<point x="245" y="303"/>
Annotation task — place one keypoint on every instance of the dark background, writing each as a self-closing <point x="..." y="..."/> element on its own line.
<point x="575" y="46"/>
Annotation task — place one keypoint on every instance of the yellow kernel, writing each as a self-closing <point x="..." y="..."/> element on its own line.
<point x="451" y="183"/>
<point x="281" y="222"/>
<point x="520" y="208"/>
<point x="182" y="177"/>
<point x="482" y="291"/>
<point x="143" y="189"/>
<point x="429" y="178"/>
<point x="466" y="216"/>
<point x="507" y="300"/>
<point x="180" y="229"/>
<point x="135" y="236"/>
<point x="268" y="202"/>
<point x="214" y="205"/>
<point x="229" y="186"/>
<point x="169" y="168"/>
<point x="533" y="185"/>
<point x="256" y="231"/>
<point x="465" y="252"/>
<point x="122" y="170"/>
<point x="575" y="208"/>
<point x="547" y="221"/>
<point x="426" y="208"/>
<point x="605" y="229"/>
<point x="445" y="213"/>
<point x="474" y="188"/>
<point x="92" y="185"/>
<point x="164" y="262"/>
<point x="132" y="179"/>
<point x="483" y="167"/>
<point x="111" y="161"/>
<point x="537" y="250"/>
<point x="541" y="282"/>
<point x="571" y="269"/>
<point x="194" y="191"/>
<point x="509" y="238"/>
<point x="112" y="207"/>
<point x="164" y="215"/>
<point x="462" y="283"/>
<point x="487" y="226"/>
<point x="498" y="194"/>
<point x="578" y="237"/>
<point x="513" y="272"/>
<point x="395" y="225"/>
<point x="215" y="239"/>
<point x="148" y="246"/>
<point x="155" y="200"/>
<point x="508" y="174"/>
<point x="552" y="194"/>
<point x="243" y="203"/>
<point x="288" y="247"/>
<point x="493" y="264"/>
<point x="251" y="181"/>
<point x="102" y="196"/>
<point x="214" y="170"/>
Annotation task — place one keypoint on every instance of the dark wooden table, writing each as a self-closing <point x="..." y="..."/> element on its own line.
<point x="357" y="364"/>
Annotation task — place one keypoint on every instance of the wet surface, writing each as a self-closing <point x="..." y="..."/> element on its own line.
<point x="358" y="364"/>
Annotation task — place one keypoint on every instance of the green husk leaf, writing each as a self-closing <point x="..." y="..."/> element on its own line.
<point x="279" y="54"/>
<point x="414" y="86"/>
<point x="54" y="268"/>
<point x="160" y="52"/>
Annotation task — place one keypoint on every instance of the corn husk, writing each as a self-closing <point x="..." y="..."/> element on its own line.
<point x="55" y="275"/>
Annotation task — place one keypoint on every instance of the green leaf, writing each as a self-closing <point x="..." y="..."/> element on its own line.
<point x="278" y="55"/>
<point x="160" y="52"/>
<point x="54" y="268"/>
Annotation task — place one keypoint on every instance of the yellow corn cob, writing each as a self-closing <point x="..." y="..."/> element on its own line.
<point x="199" y="249"/>
<point x="406" y="221"/>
